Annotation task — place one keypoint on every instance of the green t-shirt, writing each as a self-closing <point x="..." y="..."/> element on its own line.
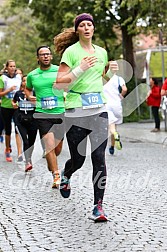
<point x="5" y="83"/>
<point x="88" y="82"/>
<point x="49" y="99"/>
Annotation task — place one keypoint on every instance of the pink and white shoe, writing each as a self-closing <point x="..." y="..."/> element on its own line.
<point x="28" y="167"/>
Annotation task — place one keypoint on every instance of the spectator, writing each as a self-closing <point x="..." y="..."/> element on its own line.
<point x="154" y="99"/>
<point x="164" y="88"/>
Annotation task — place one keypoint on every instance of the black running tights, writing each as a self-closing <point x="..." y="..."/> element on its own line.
<point x="77" y="131"/>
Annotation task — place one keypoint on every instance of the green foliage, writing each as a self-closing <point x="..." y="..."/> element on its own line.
<point x="142" y="112"/>
<point x="116" y="22"/>
<point x="133" y="117"/>
<point x="53" y="16"/>
<point x="21" y="39"/>
<point x="113" y="19"/>
<point x="156" y="64"/>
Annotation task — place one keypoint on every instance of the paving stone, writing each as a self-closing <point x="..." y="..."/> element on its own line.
<point x="35" y="218"/>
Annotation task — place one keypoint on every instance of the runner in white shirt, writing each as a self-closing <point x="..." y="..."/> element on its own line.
<point x="114" y="90"/>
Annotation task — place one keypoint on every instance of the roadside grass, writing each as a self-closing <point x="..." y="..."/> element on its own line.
<point x="155" y="66"/>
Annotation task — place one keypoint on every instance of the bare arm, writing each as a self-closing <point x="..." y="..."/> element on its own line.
<point x="163" y="92"/>
<point x="14" y="104"/>
<point x="110" y="70"/>
<point x="65" y="76"/>
<point x="5" y="92"/>
<point x="124" y="90"/>
<point x="29" y="94"/>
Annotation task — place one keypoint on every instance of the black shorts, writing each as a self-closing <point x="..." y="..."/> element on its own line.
<point x="50" y="123"/>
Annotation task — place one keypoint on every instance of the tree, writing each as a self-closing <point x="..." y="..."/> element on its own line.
<point x="117" y="21"/>
<point x="53" y="16"/>
<point x="20" y="40"/>
<point x="111" y="18"/>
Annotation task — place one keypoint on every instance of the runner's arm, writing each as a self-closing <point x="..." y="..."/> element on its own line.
<point x="5" y="92"/>
<point x="29" y="94"/>
<point x="66" y="76"/>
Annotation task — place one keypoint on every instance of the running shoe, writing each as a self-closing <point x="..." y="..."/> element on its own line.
<point x="20" y="159"/>
<point x="98" y="213"/>
<point x="155" y="130"/>
<point x="8" y="156"/>
<point x="1" y="138"/>
<point x="28" y="167"/>
<point x="56" y="181"/>
<point x="65" y="189"/>
<point x="118" y="143"/>
<point x="111" y="150"/>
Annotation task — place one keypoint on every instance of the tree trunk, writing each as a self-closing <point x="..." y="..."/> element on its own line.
<point x="127" y="46"/>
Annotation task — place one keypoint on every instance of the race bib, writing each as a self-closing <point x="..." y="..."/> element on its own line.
<point x="91" y="100"/>
<point x="10" y="95"/>
<point x="26" y="105"/>
<point x="49" y="102"/>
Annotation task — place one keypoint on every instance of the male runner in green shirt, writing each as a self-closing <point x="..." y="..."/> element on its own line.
<point x="49" y="108"/>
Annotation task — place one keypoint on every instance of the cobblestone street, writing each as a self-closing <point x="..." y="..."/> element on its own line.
<point x="35" y="218"/>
